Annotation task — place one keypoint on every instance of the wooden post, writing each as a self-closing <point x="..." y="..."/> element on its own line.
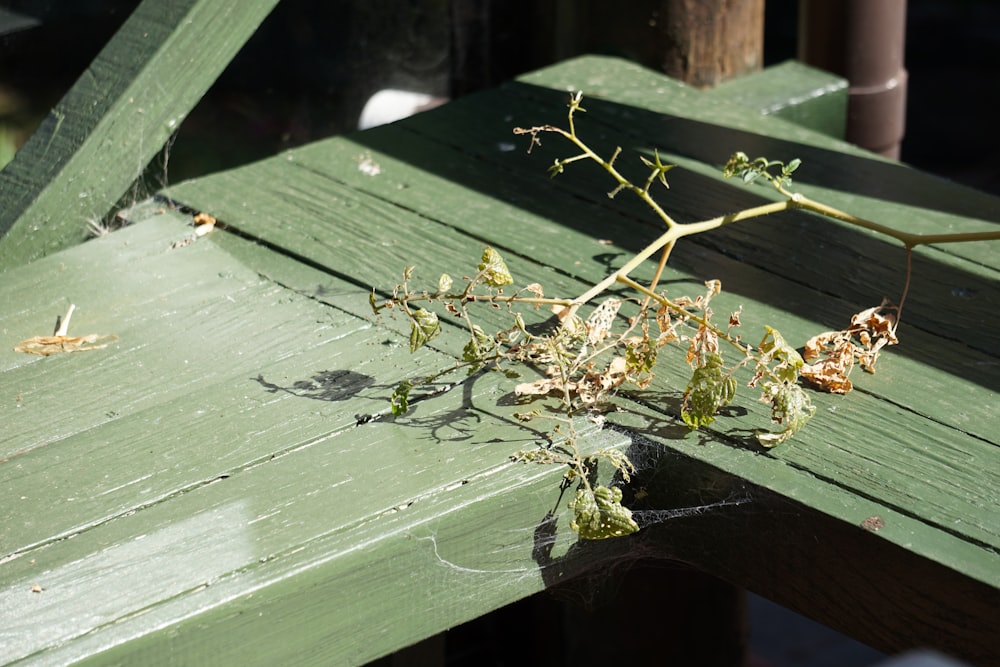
<point x="705" y="42"/>
<point x="700" y="42"/>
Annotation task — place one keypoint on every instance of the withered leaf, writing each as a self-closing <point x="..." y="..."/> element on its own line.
<point x="48" y="345"/>
<point x="837" y="351"/>
<point x="601" y="320"/>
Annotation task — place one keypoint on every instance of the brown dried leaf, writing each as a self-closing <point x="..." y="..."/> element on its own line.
<point x="538" y="387"/>
<point x="601" y="320"/>
<point x="703" y="343"/>
<point x="48" y="345"/>
<point x="828" y="375"/>
<point x="535" y="289"/>
<point x="204" y="219"/>
<point x="860" y="343"/>
<point x="590" y="388"/>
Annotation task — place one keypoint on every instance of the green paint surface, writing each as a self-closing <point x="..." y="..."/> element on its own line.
<point x="99" y="138"/>
<point x="225" y="480"/>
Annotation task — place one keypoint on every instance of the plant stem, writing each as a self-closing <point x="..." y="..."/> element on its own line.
<point x="659" y="298"/>
<point x="664" y="256"/>
<point x="906" y="238"/>
<point x="666" y="238"/>
<point x="714" y="223"/>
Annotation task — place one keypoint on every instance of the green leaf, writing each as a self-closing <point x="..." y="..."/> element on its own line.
<point x="619" y="459"/>
<point x="711" y="387"/>
<point x="400" y="400"/>
<point x="790" y="406"/>
<point x="478" y="348"/>
<point x="424" y="326"/>
<point x="774" y="346"/>
<point x="599" y="514"/>
<point x="444" y="283"/>
<point x="659" y="169"/>
<point x="494" y="269"/>
<point x="640" y="358"/>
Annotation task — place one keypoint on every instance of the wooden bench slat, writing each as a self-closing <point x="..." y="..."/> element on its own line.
<point x="521" y="232"/>
<point x="338" y="525"/>
<point x="99" y="138"/>
<point x="525" y="232"/>
<point x="167" y="514"/>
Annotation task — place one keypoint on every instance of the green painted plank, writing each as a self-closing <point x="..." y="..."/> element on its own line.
<point x="794" y="91"/>
<point x="491" y="200"/>
<point x="527" y="234"/>
<point x="296" y="529"/>
<point x="927" y="476"/>
<point x="144" y="390"/>
<point x="715" y="474"/>
<point x="338" y="524"/>
<point x="775" y="244"/>
<point x="868" y="584"/>
<point x="519" y="205"/>
<point x="211" y="491"/>
<point x="274" y="577"/>
<point x="99" y="138"/>
<point x="971" y="427"/>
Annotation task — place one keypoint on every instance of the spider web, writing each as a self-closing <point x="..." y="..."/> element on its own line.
<point x="555" y="548"/>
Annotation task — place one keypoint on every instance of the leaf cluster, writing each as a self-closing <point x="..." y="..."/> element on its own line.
<point x="583" y="362"/>
<point x="778" y="173"/>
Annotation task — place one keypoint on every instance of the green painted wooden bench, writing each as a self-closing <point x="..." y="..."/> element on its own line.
<point x="223" y="481"/>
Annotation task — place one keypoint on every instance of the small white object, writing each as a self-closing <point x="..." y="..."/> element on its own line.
<point x="389" y="105"/>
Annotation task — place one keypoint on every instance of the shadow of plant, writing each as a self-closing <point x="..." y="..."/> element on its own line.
<point x="331" y="385"/>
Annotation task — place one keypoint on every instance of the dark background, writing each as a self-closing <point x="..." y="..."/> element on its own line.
<point x="309" y="69"/>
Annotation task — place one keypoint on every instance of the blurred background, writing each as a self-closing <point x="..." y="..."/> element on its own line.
<point x="313" y="65"/>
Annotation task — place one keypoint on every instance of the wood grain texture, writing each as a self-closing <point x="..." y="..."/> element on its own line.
<point x="215" y="482"/>
<point x="707" y="43"/>
<point x="807" y="96"/>
<point x="202" y="469"/>
<point x="877" y="446"/>
<point x="99" y="138"/>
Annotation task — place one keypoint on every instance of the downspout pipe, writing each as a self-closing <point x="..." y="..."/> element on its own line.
<point x="862" y="41"/>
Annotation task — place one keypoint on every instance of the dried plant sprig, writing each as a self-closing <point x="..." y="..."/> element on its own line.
<point x="584" y="362"/>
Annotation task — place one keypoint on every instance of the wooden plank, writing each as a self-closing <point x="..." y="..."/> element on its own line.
<point x="241" y="503"/>
<point x="99" y="138"/>
<point x="519" y="223"/>
<point x="874" y="448"/>
<point x="791" y="90"/>
<point x="867" y="583"/>
<point x="965" y="434"/>
<point x="238" y="470"/>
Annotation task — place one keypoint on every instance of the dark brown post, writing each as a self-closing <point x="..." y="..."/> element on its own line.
<point x="863" y="41"/>
<point x="700" y="42"/>
<point x="706" y="42"/>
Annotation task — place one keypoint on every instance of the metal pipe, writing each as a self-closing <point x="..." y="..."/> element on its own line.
<point x="863" y="41"/>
